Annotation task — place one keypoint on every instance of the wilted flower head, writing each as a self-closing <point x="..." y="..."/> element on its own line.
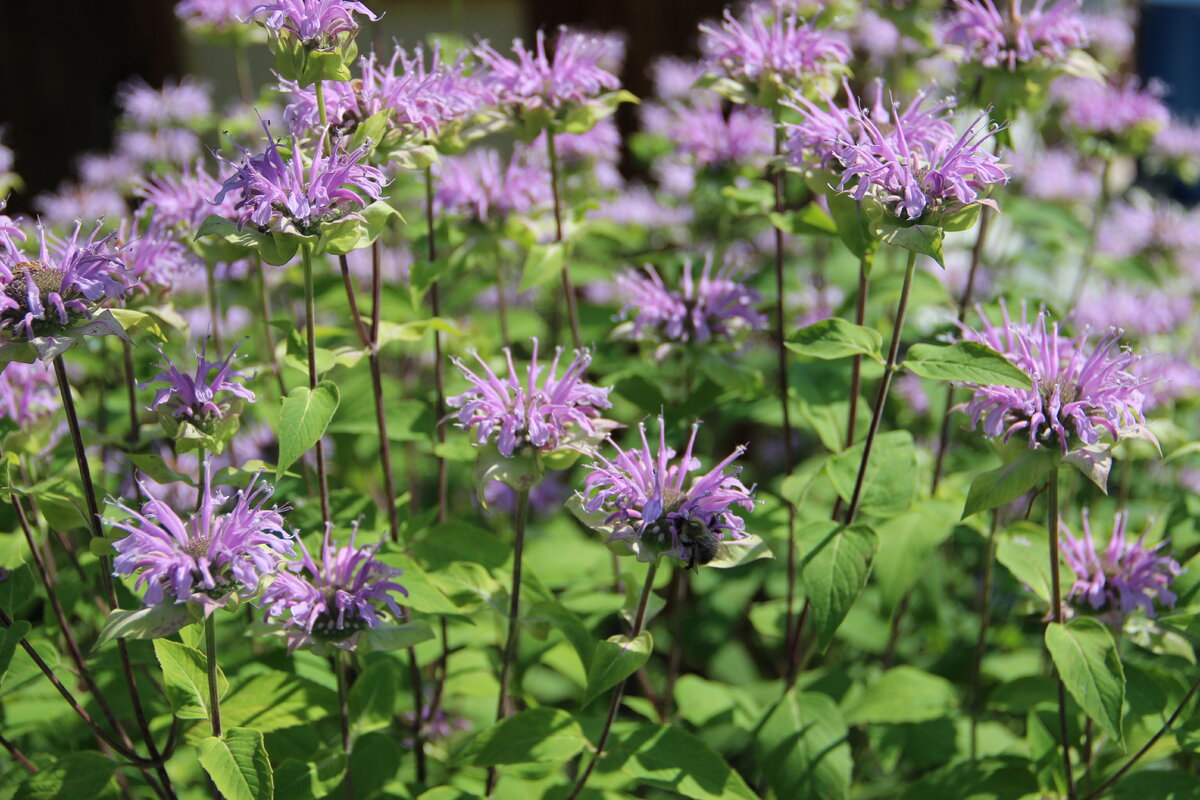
<point x="477" y="184"/>
<point x="1127" y="576"/>
<point x="715" y="305"/>
<point x="571" y="75"/>
<point x="28" y="392"/>
<point x="218" y="14"/>
<point x="208" y="557"/>
<point x="1112" y="109"/>
<point x="195" y="397"/>
<point x="177" y="103"/>
<point x="543" y="411"/>
<point x="912" y="174"/>
<point x="783" y="49"/>
<point x="273" y="193"/>
<point x="335" y="600"/>
<point x="317" y="23"/>
<point x="1005" y="39"/>
<point x="62" y="282"/>
<point x="650" y="503"/>
<point x="1077" y="388"/>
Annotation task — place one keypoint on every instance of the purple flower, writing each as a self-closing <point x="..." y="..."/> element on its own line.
<point x="333" y="601"/>
<point x="183" y="198"/>
<point x="28" y="392"/>
<point x="156" y="258"/>
<point x="477" y="184"/>
<point x="675" y="78"/>
<point x="993" y="39"/>
<point x="571" y="75"/>
<point x="1111" y="35"/>
<point x="274" y="194"/>
<point x="1127" y="576"/>
<point x="638" y="206"/>
<point x="715" y="305"/>
<point x="1143" y="311"/>
<point x="219" y="14"/>
<point x="1056" y="174"/>
<point x="911" y="174"/>
<point x="65" y="280"/>
<point x="1111" y="109"/>
<point x="209" y="556"/>
<point x="784" y="49"/>
<point x="314" y="22"/>
<point x="542" y="411"/>
<point x="1168" y="377"/>
<point x="651" y="506"/>
<point x="1141" y="226"/>
<point x="545" y="498"/>
<point x="73" y="201"/>
<point x="195" y="396"/>
<point x="164" y="146"/>
<point x="177" y="104"/>
<point x="109" y="170"/>
<point x="706" y="136"/>
<point x="1077" y="388"/>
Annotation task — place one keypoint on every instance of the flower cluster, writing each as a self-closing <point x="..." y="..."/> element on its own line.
<point x="218" y="14"/>
<point x="542" y="412"/>
<point x="1112" y="110"/>
<point x="782" y="48"/>
<point x="277" y="193"/>
<point x="1078" y="388"/>
<point x="1127" y="576"/>
<point x="995" y="39"/>
<point x="715" y="305"/>
<point x="537" y="80"/>
<point x="335" y="600"/>
<point x="28" y="392"/>
<point x="175" y="104"/>
<point x="316" y="23"/>
<point x="480" y="186"/>
<point x="650" y="504"/>
<point x="208" y="557"/>
<point x="195" y="397"/>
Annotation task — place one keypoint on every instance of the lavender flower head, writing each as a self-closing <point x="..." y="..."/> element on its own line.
<point x="1128" y="575"/>
<point x="784" y="49"/>
<point x="572" y="75"/>
<point x="218" y="14"/>
<point x="479" y="186"/>
<point x="1120" y="109"/>
<point x="28" y="392"/>
<point x="544" y="411"/>
<point x="713" y="306"/>
<point x="208" y="557"/>
<point x="705" y="136"/>
<point x="195" y="397"/>
<point x="63" y="282"/>
<point x="183" y="198"/>
<point x="651" y="505"/>
<point x="277" y="194"/>
<point x="335" y="600"/>
<point x="1004" y="40"/>
<point x="316" y="23"/>
<point x="157" y="257"/>
<point x="177" y="103"/>
<point x="1077" y="388"/>
<point x="74" y="201"/>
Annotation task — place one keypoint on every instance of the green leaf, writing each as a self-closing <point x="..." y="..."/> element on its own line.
<point x="151" y="622"/>
<point x="903" y="694"/>
<point x="971" y="362"/>
<point x="801" y="747"/>
<point x="10" y="637"/>
<point x="571" y="626"/>
<point x="1004" y="484"/>
<point x="373" y="695"/>
<point x="836" y="338"/>
<point x="274" y="701"/>
<point x="1085" y="656"/>
<point x="238" y="765"/>
<point x="543" y="263"/>
<point x="84" y="774"/>
<point x="1024" y="552"/>
<point x="185" y="678"/>
<point x="809" y="220"/>
<point x="672" y="759"/>
<point x="735" y="552"/>
<point x="302" y="421"/>
<point x="388" y="638"/>
<point x="529" y="737"/>
<point x="921" y="239"/>
<point x="890" y="482"/>
<point x="614" y="660"/>
<point x="1166" y="784"/>
<point x="853" y="225"/>
<point x="905" y="543"/>
<point x="834" y="571"/>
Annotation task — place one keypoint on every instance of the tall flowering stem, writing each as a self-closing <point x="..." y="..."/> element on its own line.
<point x="214" y="693"/>
<point x="1056" y="615"/>
<point x="1088" y="259"/>
<point x="504" y="705"/>
<point x="439" y="375"/>
<point x="343" y="692"/>
<point x="568" y="287"/>
<point x="310" y="312"/>
<point x="985" y="616"/>
<point x="639" y="622"/>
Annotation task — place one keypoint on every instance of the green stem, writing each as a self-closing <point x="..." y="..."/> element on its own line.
<point x="1057" y="617"/>
<point x="210" y="654"/>
<point x="321" y="106"/>
<point x="614" y="705"/>
<point x="310" y="313"/>
<point x="439" y="375"/>
<point x="568" y="287"/>
<point x="343" y="690"/>
<point x="985" y="615"/>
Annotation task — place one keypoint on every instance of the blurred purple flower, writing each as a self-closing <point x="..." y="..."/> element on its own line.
<point x="477" y="185"/>
<point x="209" y="556"/>
<point x="547" y="497"/>
<point x="28" y="392"/>
<point x="1127" y="576"/>
<point x="218" y="14"/>
<point x="335" y="600"/>
<point x="1056" y="174"/>
<point x="110" y="170"/>
<point x="73" y="201"/>
<point x="649" y="506"/>
<point x="1168" y="377"/>
<point x="706" y="136"/>
<point x="638" y="206"/>
<point x="1140" y="310"/>
<point x="195" y="397"/>
<point x="539" y="411"/>
<point x="996" y="39"/>
<point x="166" y="146"/>
<point x="1111" y="35"/>
<point x="156" y="257"/>
<point x="784" y="49"/>
<point x="176" y="104"/>
<point x="1111" y="109"/>
<point x="276" y="194"/>
<point x="1077" y="389"/>
<point x="536" y="80"/>
<point x="313" y="22"/>
<point x="715" y="305"/>
<point x="184" y="198"/>
<point x="1140" y="226"/>
<point x="675" y="78"/>
<point x="911" y="389"/>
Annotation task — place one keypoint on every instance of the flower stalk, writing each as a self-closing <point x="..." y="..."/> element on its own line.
<point x="210" y="653"/>
<point x="568" y="287"/>
<point x="343" y="692"/>
<point x="310" y="312"/>
<point x="1056" y="615"/>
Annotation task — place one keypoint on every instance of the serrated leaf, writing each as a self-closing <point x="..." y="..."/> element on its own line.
<point x="529" y="737"/>
<point x="890" y="481"/>
<point x="151" y="622"/>
<point x="302" y="421"/>
<point x="969" y="362"/>
<point x="1006" y="483"/>
<point x="921" y="239"/>
<point x="1086" y="658"/>
<point x="836" y="338"/>
<point x="802" y="749"/>
<point x="387" y="638"/>
<point x="185" y="678"/>
<point x="239" y="765"/>
<point x="74" y="775"/>
<point x="903" y="694"/>
<point x="1094" y="462"/>
<point x="614" y="660"/>
<point x="672" y="759"/>
<point x="834" y="569"/>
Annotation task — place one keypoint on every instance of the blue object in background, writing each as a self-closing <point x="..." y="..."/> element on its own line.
<point x="1169" y="49"/>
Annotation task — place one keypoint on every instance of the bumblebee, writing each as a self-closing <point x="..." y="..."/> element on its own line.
<point x="701" y="543"/>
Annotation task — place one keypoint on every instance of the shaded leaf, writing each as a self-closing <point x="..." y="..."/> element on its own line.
<point x="1087" y="661"/>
